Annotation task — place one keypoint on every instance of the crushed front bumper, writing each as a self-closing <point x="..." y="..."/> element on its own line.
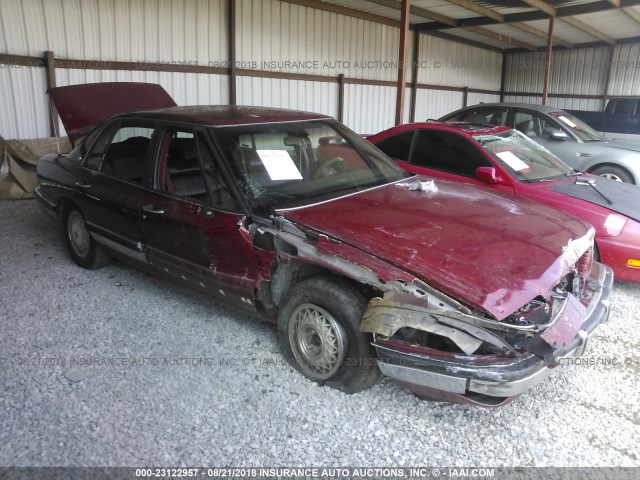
<point x="492" y="376"/>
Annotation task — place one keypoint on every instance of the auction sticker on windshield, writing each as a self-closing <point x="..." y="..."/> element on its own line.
<point x="279" y="165"/>
<point x="513" y="161"/>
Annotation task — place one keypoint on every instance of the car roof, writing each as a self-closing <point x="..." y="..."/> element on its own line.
<point x="462" y="127"/>
<point x="530" y="106"/>
<point x="225" y="115"/>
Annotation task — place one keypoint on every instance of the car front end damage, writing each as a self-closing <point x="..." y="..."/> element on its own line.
<point x="441" y="349"/>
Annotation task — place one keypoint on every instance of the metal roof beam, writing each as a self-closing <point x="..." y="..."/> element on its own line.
<point x="542" y="6"/>
<point x="452" y="23"/>
<point x="503" y="38"/>
<point x="574" y="22"/>
<point x="560" y="12"/>
<point x="632" y="13"/>
<point x="421" y="12"/>
<point x="474" y="7"/>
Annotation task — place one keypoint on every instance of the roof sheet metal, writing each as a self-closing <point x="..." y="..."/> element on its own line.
<point x="563" y="31"/>
<point x="284" y="37"/>
<point x="443" y="7"/>
<point x="118" y="30"/>
<point x="476" y="37"/>
<point x="505" y="6"/>
<point x="625" y="70"/>
<point x="614" y="23"/>
<point x="443" y="62"/>
<point x="513" y="32"/>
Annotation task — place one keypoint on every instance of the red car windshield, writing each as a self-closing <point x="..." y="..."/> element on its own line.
<point x="285" y="165"/>
<point x="523" y="158"/>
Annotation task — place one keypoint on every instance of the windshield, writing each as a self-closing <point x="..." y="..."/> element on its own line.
<point x="577" y="126"/>
<point x="293" y="164"/>
<point x="523" y="158"/>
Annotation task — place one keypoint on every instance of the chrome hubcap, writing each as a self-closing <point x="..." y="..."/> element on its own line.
<point x="78" y="234"/>
<point x="611" y="176"/>
<point x="318" y="341"/>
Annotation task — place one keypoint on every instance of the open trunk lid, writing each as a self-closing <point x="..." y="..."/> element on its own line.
<point x="83" y="107"/>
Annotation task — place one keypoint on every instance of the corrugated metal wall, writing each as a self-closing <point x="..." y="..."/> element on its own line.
<point x="24" y="111"/>
<point x="158" y="31"/>
<point x="320" y="97"/>
<point x="625" y="70"/>
<point x="575" y="72"/>
<point x="454" y="65"/>
<point x="125" y="30"/>
<point x="457" y="65"/>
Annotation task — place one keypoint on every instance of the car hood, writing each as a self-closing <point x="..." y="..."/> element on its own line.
<point x="622" y="198"/>
<point x="83" y="107"/>
<point x="623" y="144"/>
<point x="488" y="250"/>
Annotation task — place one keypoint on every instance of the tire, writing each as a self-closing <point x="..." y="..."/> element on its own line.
<point x="614" y="173"/>
<point x="319" y="331"/>
<point x="83" y="249"/>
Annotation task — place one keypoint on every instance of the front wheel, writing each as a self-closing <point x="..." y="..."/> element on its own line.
<point x="319" y="330"/>
<point x="614" y="173"/>
<point x="84" y="249"/>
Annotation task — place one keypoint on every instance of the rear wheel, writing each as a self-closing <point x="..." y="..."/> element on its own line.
<point x="614" y="173"/>
<point x="318" y="327"/>
<point x="83" y="249"/>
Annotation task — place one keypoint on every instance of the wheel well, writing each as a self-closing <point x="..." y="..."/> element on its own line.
<point x="615" y="165"/>
<point x="64" y="205"/>
<point x="290" y="272"/>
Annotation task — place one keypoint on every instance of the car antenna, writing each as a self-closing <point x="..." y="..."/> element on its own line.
<point x="54" y="123"/>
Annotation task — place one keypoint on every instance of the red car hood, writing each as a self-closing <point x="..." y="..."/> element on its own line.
<point x="83" y="107"/>
<point x="488" y="250"/>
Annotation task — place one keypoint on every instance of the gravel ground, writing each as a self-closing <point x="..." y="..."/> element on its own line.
<point x="241" y="405"/>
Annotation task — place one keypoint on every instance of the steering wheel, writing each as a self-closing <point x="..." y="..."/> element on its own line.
<point x="327" y="164"/>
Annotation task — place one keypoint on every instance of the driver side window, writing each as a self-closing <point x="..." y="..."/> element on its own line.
<point x="447" y="152"/>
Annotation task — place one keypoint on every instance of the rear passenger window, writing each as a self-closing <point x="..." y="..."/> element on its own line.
<point x="125" y="156"/>
<point x="398" y="146"/>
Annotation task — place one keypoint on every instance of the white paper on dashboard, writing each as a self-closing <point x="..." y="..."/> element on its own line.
<point x="567" y="121"/>
<point x="279" y="165"/>
<point x="513" y="161"/>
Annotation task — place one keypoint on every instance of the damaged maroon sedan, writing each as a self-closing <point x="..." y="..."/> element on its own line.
<point x="455" y="291"/>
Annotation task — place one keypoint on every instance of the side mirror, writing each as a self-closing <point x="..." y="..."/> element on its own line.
<point x="558" y="135"/>
<point x="486" y="175"/>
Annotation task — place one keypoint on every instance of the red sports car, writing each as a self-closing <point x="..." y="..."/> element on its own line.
<point x="510" y="162"/>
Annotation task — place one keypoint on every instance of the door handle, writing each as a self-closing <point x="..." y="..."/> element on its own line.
<point x="82" y="185"/>
<point x="150" y="209"/>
